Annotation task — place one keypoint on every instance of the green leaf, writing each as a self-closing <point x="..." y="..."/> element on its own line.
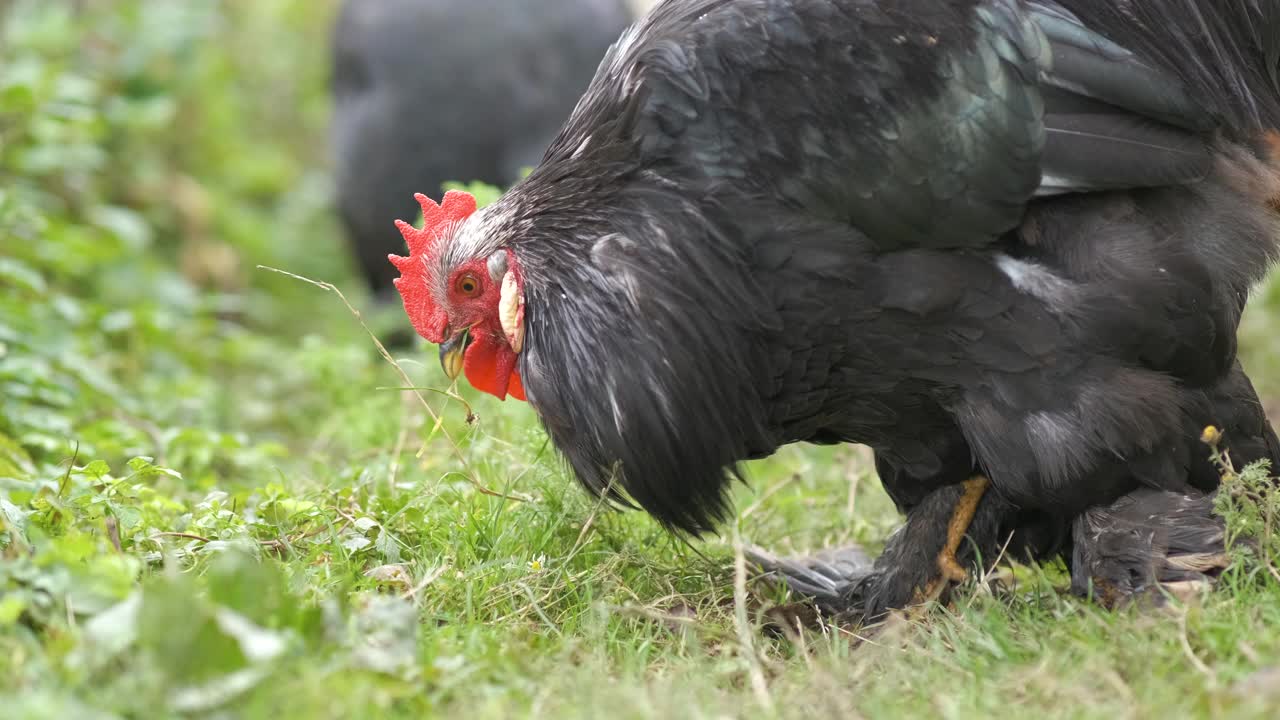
<point x="12" y="517"/>
<point x="128" y="226"/>
<point x="356" y="543"/>
<point x="98" y="469"/>
<point x="257" y="644"/>
<point x="144" y="469"/>
<point x="387" y="546"/>
<point x="24" y="277"/>
<point x="114" y="629"/>
<point x="14" y="460"/>
<point x="12" y="605"/>
<point x="129" y="517"/>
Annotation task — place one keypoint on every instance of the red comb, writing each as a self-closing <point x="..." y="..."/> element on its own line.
<point x="438" y="221"/>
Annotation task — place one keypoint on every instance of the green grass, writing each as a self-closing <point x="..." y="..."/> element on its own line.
<point x="216" y="502"/>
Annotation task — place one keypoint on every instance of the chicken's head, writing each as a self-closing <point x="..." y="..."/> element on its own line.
<point x="471" y="306"/>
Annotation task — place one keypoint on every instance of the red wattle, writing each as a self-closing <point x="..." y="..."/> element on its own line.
<point x="490" y="366"/>
<point x="516" y="386"/>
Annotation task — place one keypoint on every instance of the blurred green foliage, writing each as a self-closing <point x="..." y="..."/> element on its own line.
<point x="150" y="157"/>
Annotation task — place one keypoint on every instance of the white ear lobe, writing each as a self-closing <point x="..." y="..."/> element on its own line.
<point x="511" y="311"/>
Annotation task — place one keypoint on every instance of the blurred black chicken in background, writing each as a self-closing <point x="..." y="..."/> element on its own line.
<point x="430" y="91"/>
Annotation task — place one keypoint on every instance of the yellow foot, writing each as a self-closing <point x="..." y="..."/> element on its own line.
<point x="950" y="568"/>
<point x="932" y="591"/>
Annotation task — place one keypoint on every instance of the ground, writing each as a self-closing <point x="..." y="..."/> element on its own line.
<point x="218" y="500"/>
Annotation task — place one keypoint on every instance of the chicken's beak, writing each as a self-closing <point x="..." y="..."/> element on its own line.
<point x="452" y="352"/>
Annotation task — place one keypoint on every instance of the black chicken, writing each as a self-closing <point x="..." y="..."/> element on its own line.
<point x="427" y="91"/>
<point x="991" y="239"/>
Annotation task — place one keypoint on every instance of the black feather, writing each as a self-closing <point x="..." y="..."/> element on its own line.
<point x="1224" y="52"/>
<point x="1088" y="63"/>
<point x="1144" y="540"/>
<point x="1086" y="152"/>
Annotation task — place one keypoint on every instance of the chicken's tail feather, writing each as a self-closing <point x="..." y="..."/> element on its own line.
<point x="1227" y="52"/>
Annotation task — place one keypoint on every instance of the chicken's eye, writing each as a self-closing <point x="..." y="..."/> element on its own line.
<point x="468" y="285"/>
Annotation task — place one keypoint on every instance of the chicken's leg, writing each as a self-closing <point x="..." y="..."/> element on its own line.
<point x="949" y="568"/>
<point x="974" y="488"/>
<point x="920" y="561"/>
